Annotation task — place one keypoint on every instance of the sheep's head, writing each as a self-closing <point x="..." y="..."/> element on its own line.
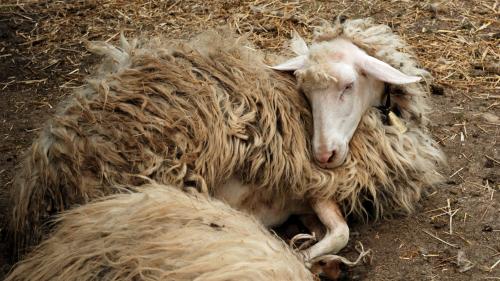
<point x="341" y="82"/>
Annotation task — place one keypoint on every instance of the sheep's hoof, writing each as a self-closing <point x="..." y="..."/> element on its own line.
<point x="330" y="266"/>
<point x="329" y="270"/>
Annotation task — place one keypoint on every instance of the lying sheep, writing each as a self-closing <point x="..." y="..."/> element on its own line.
<point x="160" y="233"/>
<point x="211" y="113"/>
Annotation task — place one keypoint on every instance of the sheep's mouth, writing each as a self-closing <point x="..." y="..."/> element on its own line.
<point x="334" y="161"/>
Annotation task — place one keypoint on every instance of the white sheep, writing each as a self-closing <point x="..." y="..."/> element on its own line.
<point x="160" y="233"/>
<point x="212" y="114"/>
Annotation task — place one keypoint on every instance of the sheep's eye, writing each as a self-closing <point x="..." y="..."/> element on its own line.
<point x="348" y="87"/>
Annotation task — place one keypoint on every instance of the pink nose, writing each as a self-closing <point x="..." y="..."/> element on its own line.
<point x="325" y="157"/>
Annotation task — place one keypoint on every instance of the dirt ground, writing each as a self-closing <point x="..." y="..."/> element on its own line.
<point x="454" y="235"/>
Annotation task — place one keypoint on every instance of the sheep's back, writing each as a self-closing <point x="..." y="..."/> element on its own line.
<point x="185" y="114"/>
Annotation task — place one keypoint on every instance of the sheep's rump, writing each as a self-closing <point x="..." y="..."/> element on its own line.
<point x="160" y="233"/>
<point x="196" y="113"/>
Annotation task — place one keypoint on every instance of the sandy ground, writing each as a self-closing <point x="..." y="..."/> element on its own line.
<point x="42" y="58"/>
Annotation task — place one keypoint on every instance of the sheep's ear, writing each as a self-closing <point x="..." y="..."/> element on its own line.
<point x="298" y="45"/>
<point x="384" y="72"/>
<point x="291" y="64"/>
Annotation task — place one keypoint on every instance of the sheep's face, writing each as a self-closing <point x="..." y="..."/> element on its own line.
<point x="341" y="82"/>
<point x="337" y="107"/>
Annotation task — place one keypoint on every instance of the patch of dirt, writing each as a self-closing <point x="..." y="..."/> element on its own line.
<point x="42" y="57"/>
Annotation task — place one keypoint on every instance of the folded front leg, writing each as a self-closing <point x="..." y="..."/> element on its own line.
<point x="337" y="231"/>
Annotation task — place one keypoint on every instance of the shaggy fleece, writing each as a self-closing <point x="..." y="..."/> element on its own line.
<point x="160" y="233"/>
<point x="196" y="113"/>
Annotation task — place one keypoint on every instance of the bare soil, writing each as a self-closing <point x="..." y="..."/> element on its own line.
<point x="42" y="57"/>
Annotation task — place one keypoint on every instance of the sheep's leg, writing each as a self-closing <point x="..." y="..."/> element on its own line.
<point x="337" y="231"/>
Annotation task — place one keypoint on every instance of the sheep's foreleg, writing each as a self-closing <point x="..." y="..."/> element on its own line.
<point x="337" y="231"/>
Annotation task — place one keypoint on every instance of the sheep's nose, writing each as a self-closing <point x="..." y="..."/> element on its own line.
<point x="326" y="157"/>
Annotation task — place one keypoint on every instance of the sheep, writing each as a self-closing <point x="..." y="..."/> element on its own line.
<point x="211" y="113"/>
<point x="160" y="233"/>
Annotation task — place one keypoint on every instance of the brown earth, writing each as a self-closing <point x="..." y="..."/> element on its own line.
<point x="42" y="58"/>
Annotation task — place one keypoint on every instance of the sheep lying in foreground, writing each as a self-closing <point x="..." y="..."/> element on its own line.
<point x="160" y="234"/>
<point x="210" y="113"/>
